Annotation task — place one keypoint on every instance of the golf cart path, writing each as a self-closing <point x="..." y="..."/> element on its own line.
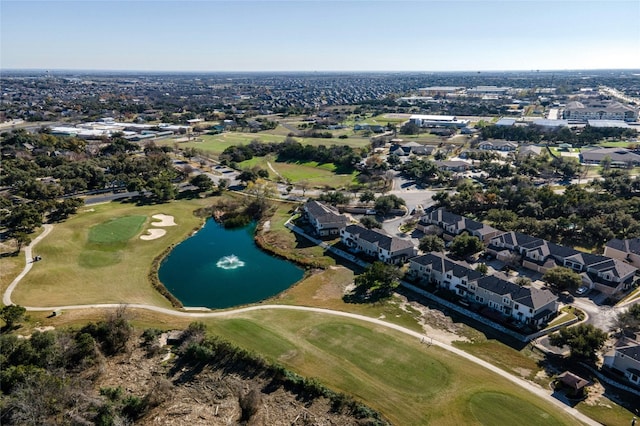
<point x="537" y="390"/>
<point x="28" y="257"/>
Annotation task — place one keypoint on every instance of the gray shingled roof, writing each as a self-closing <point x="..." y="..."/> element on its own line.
<point x="325" y="214"/>
<point x="381" y="238"/>
<point x="527" y="296"/>
<point x="628" y="246"/>
<point x="441" y="263"/>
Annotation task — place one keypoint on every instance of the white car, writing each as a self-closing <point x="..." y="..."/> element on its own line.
<point x="582" y="290"/>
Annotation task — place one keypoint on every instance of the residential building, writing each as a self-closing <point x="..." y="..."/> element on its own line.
<point x="529" y="151"/>
<point x="452" y="166"/>
<point x="326" y="220"/>
<point x="378" y="244"/>
<point x="599" y="110"/>
<point x="627" y="250"/>
<point x="625" y="359"/>
<point x="453" y="224"/>
<point x="528" y="305"/>
<point x="619" y="157"/>
<point x="598" y="272"/>
<point x="498" y="145"/>
<point x="439" y="269"/>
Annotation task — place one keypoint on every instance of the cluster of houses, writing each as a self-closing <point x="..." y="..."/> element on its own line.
<point x="527" y="305"/>
<point x="494" y="295"/>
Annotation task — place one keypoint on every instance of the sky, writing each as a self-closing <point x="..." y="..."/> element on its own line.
<point x="320" y="35"/>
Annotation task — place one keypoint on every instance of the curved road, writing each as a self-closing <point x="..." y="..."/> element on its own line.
<point x="540" y="392"/>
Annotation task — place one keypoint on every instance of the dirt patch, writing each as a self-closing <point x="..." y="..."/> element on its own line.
<point x="163" y="220"/>
<point x="153" y="234"/>
<point x="436" y="324"/>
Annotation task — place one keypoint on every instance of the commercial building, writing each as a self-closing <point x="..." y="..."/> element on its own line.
<point x="438" y="121"/>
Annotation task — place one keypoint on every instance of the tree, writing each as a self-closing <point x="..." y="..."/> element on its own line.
<point x="464" y="244"/>
<point x="430" y="243"/>
<point x="370" y="222"/>
<point x="223" y="184"/>
<point x="409" y="128"/>
<point x="562" y="278"/>
<point x="22" y="239"/>
<point x="583" y="340"/>
<point x="385" y="203"/>
<point x="629" y="320"/>
<point x="367" y="196"/>
<point x="379" y="279"/>
<point x="12" y="314"/>
<point x="248" y="176"/>
<point x="482" y="268"/>
<point x="202" y="181"/>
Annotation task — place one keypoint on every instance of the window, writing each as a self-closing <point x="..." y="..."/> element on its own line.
<point x="530" y="310"/>
<point x="516" y="306"/>
<point x="449" y="276"/>
<point x="505" y="300"/>
<point x="472" y="287"/>
<point x="464" y="281"/>
<point x="480" y="299"/>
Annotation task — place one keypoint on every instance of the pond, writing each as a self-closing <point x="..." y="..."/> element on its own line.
<point x="221" y="268"/>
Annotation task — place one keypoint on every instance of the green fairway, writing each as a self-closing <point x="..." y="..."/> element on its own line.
<point x="95" y="256"/>
<point x="493" y="408"/>
<point x="311" y="172"/>
<point x="408" y="382"/>
<point x="116" y="230"/>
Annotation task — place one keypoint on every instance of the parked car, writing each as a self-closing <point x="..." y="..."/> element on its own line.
<point x="583" y="289"/>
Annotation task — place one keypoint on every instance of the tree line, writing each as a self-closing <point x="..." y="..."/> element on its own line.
<point x="342" y="156"/>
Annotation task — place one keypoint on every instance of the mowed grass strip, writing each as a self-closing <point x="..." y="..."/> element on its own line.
<point x="116" y="230"/>
<point x="78" y="270"/>
<point x="409" y="382"/>
<point x="495" y="408"/>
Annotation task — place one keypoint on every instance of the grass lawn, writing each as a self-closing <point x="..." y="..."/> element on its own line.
<point x="408" y="382"/>
<point x="97" y="257"/>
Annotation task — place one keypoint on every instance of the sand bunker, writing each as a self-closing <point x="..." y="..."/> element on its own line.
<point x="165" y="220"/>
<point x="152" y="234"/>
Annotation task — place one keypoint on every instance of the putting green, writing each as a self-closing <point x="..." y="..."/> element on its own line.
<point x="493" y="408"/>
<point x="116" y="230"/>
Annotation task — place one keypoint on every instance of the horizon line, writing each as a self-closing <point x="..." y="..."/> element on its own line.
<point x="120" y="70"/>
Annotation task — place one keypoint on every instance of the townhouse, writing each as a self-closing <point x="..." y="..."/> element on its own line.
<point x="625" y="359"/>
<point x="325" y="220"/>
<point x="377" y="244"/>
<point x="527" y="305"/>
<point x="453" y="224"/>
<point x="598" y="272"/>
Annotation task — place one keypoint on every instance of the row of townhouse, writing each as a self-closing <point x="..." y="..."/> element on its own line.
<point x="453" y="224"/>
<point x="377" y="244"/>
<point x="528" y="305"/>
<point x="328" y="222"/>
<point x="598" y="272"/>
